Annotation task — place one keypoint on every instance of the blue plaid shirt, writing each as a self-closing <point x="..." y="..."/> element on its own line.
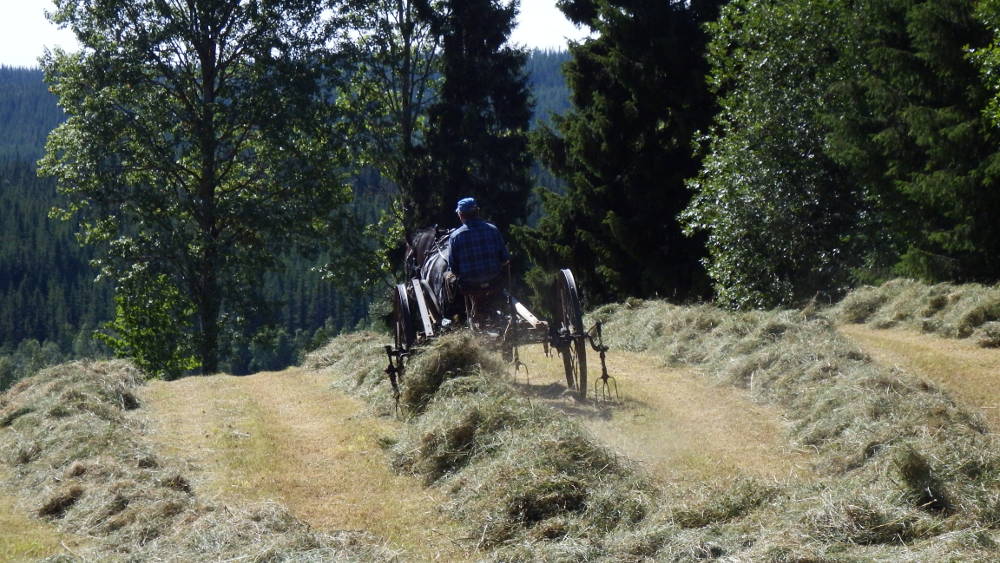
<point x="477" y="251"/>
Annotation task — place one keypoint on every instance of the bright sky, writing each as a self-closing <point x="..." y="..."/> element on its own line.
<point x="24" y="31"/>
<point x="541" y="25"/>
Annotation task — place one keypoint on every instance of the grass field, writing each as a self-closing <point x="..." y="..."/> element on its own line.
<point x="758" y="436"/>
<point x="969" y="372"/>
<point x="22" y="537"/>
<point x="287" y="437"/>
<point x="681" y="429"/>
<point x="77" y="440"/>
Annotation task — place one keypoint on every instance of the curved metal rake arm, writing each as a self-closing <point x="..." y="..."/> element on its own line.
<point x="607" y="383"/>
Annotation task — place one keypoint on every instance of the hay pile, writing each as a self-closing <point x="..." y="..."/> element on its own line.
<point x="73" y="437"/>
<point x="530" y="483"/>
<point x="953" y="311"/>
<point x="905" y="470"/>
<point x="905" y="473"/>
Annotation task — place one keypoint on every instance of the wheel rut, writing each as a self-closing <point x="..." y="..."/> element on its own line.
<point x="966" y="371"/>
<point x="680" y="427"/>
<point x="288" y="437"/>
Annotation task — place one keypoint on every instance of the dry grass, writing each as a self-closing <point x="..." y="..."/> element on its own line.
<point x="835" y="397"/>
<point x="287" y="437"/>
<point x="953" y="311"/>
<point x="74" y="438"/>
<point x="866" y="425"/>
<point x="966" y="370"/>
<point x="24" y="538"/>
<point x="530" y="483"/>
<point x="534" y="484"/>
<point x="900" y="471"/>
<point x="682" y="429"/>
<point x="357" y="361"/>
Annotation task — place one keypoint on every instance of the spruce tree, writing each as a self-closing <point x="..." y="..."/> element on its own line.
<point x="476" y="142"/>
<point x="624" y="151"/>
<point x="912" y="126"/>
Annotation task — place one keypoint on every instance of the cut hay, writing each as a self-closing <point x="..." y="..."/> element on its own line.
<point x="74" y="438"/>
<point x="358" y="361"/>
<point x="902" y="462"/>
<point x="904" y="473"/>
<point x="530" y="483"/>
<point x="902" y="468"/>
<point x="953" y="311"/>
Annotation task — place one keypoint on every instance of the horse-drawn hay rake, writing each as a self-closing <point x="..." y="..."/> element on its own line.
<point x="423" y="310"/>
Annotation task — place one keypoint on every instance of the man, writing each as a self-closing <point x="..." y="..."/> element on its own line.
<point x="478" y="253"/>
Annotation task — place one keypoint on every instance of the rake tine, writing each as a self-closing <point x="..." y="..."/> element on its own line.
<point x="518" y="364"/>
<point x="607" y="383"/>
<point x="597" y="343"/>
<point x="607" y="380"/>
<point x="395" y="374"/>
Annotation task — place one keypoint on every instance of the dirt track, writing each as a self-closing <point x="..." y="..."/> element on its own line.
<point x="289" y="437"/>
<point x="966" y="371"/>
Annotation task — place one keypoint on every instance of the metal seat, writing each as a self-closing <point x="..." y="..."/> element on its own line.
<point x="479" y="296"/>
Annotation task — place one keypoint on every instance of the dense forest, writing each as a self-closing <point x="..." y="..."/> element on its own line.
<point x="760" y="153"/>
<point x="51" y="302"/>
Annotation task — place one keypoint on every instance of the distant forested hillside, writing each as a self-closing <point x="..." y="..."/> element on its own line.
<point x="551" y="97"/>
<point x="50" y="302"/>
<point x="547" y="84"/>
<point x="28" y="112"/>
<point x="47" y="289"/>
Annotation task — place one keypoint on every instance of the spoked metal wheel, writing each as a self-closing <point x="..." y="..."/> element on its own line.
<point x="403" y="328"/>
<point x="573" y="340"/>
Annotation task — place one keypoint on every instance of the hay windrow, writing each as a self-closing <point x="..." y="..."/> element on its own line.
<point x="533" y="485"/>
<point x="905" y="473"/>
<point x="79" y="460"/>
<point x="530" y="483"/>
<point x="902" y="467"/>
<point x="952" y="311"/>
<point x="359" y="358"/>
<point x="902" y="462"/>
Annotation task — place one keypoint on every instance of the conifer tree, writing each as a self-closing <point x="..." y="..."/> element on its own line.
<point x="912" y="126"/>
<point x="476" y="142"/>
<point x="639" y="95"/>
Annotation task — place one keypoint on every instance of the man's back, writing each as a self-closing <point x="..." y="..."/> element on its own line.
<point x="477" y="251"/>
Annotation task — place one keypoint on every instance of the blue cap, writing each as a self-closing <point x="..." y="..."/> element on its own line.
<point x="466" y="204"/>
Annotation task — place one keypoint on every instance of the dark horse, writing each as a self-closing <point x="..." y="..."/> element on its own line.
<point x="426" y="259"/>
